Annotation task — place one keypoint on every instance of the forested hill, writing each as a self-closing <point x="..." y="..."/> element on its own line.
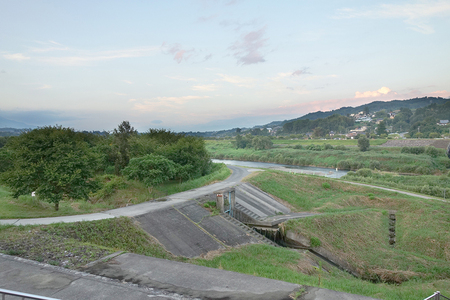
<point x="377" y="106"/>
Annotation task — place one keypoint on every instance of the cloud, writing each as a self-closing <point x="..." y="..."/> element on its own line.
<point x="45" y="87"/>
<point x="443" y="94"/>
<point x="179" y="54"/>
<point x="205" y="87"/>
<point x="87" y="57"/>
<point x="16" y="56"/>
<point x="157" y="122"/>
<point x="414" y="14"/>
<point x="127" y="81"/>
<point x="237" y="80"/>
<point x="247" y="49"/>
<point x="120" y="94"/>
<point x="2" y="72"/>
<point x="161" y="103"/>
<point x="300" y="72"/>
<point x="370" y="94"/>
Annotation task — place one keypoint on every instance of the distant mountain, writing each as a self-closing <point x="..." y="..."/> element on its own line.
<point x="373" y="107"/>
<point x="6" y="123"/>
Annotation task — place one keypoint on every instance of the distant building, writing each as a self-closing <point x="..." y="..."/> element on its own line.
<point x="443" y="122"/>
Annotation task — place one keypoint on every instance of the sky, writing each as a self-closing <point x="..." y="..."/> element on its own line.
<point x="202" y="65"/>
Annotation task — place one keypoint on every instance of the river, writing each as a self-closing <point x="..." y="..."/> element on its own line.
<point x="327" y="172"/>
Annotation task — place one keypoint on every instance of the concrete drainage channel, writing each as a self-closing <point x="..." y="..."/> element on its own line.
<point x="258" y="213"/>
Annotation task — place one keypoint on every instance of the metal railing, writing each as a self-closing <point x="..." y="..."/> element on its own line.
<point x="437" y="296"/>
<point x="23" y="296"/>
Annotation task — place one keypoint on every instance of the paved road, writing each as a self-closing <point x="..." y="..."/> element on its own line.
<point x="142" y="208"/>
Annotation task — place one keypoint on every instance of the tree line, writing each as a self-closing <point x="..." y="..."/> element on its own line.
<point x="57" y="162"/>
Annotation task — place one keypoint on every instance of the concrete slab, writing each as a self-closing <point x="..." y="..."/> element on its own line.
<point x="30" y="277"/>
<point x="228" y="233"/>
<point x="259" y="204"/>
<point x="192" y="210"/>
<point x="178" y="234"/>
<point x="192" y="280"/>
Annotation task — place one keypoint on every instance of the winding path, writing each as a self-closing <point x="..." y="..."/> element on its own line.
<point x="145" y="207"/>
<point x="135" y="210"/>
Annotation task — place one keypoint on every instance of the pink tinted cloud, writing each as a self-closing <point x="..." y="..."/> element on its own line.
<point x="179" y="54"/>
<point x="380" y="92"/>
<point x="248" y="49"/>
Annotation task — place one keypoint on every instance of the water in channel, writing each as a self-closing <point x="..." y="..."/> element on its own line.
<point x="327" y="172"/>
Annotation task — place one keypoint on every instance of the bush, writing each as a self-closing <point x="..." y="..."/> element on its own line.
<point x="328" y="147"/>
<point x="432" y="151"/>
<point x="374" y="164"/>
<point x="326" y="185"/>
<point x="313" y="147"/>
<point x="315" y="242"/>
<point x="344" y="165"/>
<point x="364" y="173"/>
<point x="340" y="147"/>
<point x="413" y="150"/>
<point x="298" y="147"/>
<point x="363" y="143"/>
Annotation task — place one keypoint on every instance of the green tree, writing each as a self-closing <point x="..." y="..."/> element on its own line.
<point x="366" y="110"/>
<point x="151" y="169"/>
<point x="54" y="162"/>
<point x="122" y="135"/>
<point x="318" y="132"/>
<point x="363" y="143"/>
<point x="381" y="129"/>
<point x="262" y="143"/>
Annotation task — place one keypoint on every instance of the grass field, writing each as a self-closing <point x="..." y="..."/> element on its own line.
<point x="353" y="225"/>
<point x="117" y="192"/>
<point x="348" y="142"/>
<point x="343" y="157"/>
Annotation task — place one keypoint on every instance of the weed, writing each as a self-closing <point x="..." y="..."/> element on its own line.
<point x="326" y="185"/>
<point x="315" y="242"/>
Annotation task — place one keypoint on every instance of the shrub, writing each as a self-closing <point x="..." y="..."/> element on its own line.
<point x="340" y="147"/>
<point x="355" y="165"/>
<point x="364" y="173"/>
<point x="315" y="242"/>
<point x="328" y="147"/>
<point x="374" y="164"/>
<point x="363" y="143"/>
<point x="432" y="151"/>
<point x="344" y="165"/>
<point x="313" y="147"/>
<point x="326" y="185"/>
<point x="298" y="147"/>
<point x="413" y="150"/>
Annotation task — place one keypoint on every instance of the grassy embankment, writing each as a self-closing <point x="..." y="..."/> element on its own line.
<point x="116" y="192"/>
<point x="302" y="153"/>
<point x="353" y="226"/>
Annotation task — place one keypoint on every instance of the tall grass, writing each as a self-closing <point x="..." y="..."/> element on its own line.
<point x="386" y="159"/>
<point x="438" y="186"/>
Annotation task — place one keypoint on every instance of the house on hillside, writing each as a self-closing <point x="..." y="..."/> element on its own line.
<point x="443" y="122"/>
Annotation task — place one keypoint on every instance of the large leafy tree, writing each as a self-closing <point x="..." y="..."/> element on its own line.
<point x="151" y="169"/>
<point x="55" y="162"/>
<point x="122" y="135"/>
